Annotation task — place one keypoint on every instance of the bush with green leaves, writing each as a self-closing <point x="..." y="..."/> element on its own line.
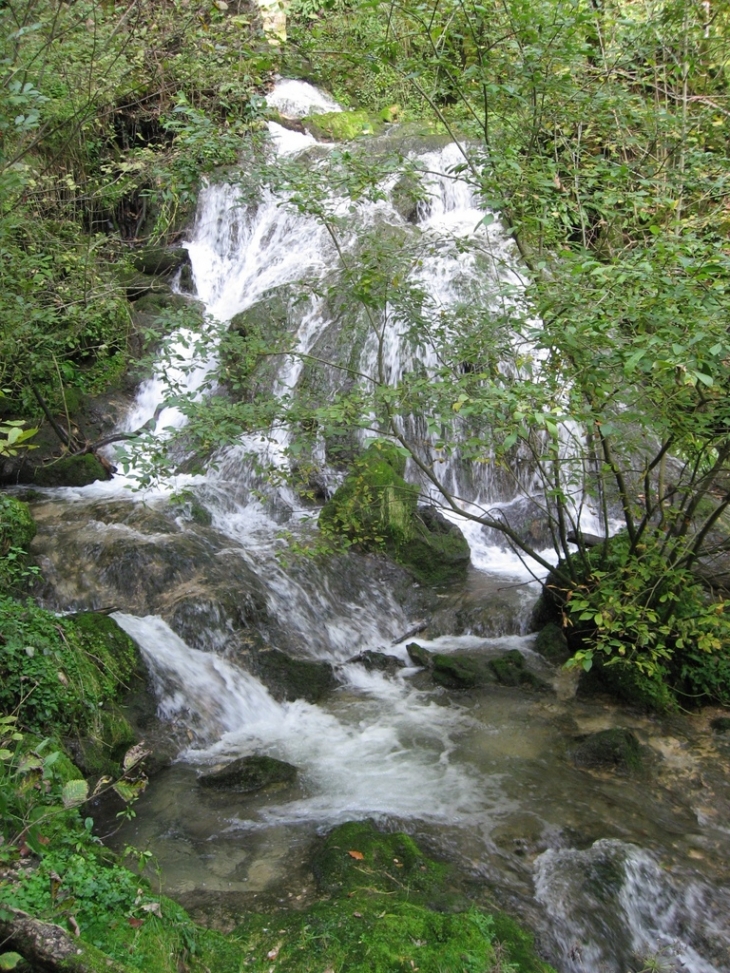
<point x="652" y="630"/>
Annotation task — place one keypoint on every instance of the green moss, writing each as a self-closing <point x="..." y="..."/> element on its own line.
<point x="510" y="670"/>
<point x="377" y="509"/>
<point x="71" y="471"/>
<point x="342" y="126"/>
<point x="437" y="553"/>
<point x="391" y="910"/>
<point x="462" y="672"/>
<point x="77" y="666"/>
<point x="389" y="861"/>
<point x="17" y="527"/>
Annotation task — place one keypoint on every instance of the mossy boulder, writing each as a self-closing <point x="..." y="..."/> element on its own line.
<point x="80" y="668"/>
<point x="73" y="471"/>
<point x="136" y="284"/>
<point x="249" y="774"/>
<point x="342" y="126"/>
<point x="405" y="196"/>
<point x="100" y="747"/>
<point x="358" y="849"/>
<point x="252" y="334"/>
<point x="436" y="552"/>
<point x="552" y="644"/>
<point x="159" y="261"/>
<point x="378" y="509"/>
<point x="510" y="670"/>
<point x="462" y="670"/>
<point x="616" y="749"/>
<point x="419" y="656"/>
<point x="721" y="724"/>
<point x="374" y="506"/>
<point x="187" y="507"/>
<point x="288" y="678"/>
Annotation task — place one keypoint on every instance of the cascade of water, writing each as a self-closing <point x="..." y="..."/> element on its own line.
<point x="380" y="747"/>
<point x="367" y="766"/>
<point x="612" y="904"/>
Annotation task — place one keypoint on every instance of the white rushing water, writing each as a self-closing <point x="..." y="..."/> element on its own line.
<point x="388" y="756"/>
<point x="380" y="747"/>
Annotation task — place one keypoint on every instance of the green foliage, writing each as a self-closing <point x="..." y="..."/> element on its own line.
<point x="108" y="120"/>
<point x="38" y="788"/>
<point x="17" y="530"/>
<point x="652" y="628"/>
<point x="597" y="133"/>
<point x="58" y="674"/>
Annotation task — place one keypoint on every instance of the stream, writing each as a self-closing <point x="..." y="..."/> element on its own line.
<point x="611" y="872"/>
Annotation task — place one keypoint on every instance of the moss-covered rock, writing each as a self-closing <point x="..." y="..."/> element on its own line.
<point x="287" y="678"/>
<point x="460" y="671"/>
<point x="159" y="260"/>
<point x="510" y="670"/>
<point x="388" y="860"/>
<point x="72" y="471"/>
<point x="436" y="552"/>
<point x="378" y="509"/>
<point x="405" y="196"/>
<point x="374" y="506"/>
<point x="79" y="667"/>
<point x="721" y="724"/>
<point x="378" y="661"/>
<point x="249" y="774"/>
<point x="342" y="126"/>
<point x="464" y="670"/>
<point x="137" y="284"/>
<point x="419" y="656"/>
<point x="552" y="644"/>
<point x="615" y="749"/>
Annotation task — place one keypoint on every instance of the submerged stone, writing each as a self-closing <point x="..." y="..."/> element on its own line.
<point x="249" y="774"/>
<point x="615" y="749"/>
<point x="510" y="670"/>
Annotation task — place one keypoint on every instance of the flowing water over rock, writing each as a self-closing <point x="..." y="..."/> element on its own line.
<point x="610" y="869"/>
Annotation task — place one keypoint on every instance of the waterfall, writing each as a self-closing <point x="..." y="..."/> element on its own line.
<point x="198" y="565"/>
